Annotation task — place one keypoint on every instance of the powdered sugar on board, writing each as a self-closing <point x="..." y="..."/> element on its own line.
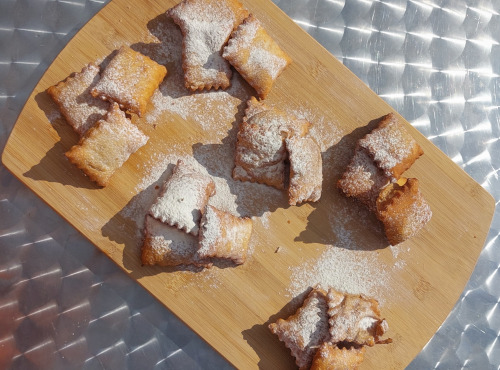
<point x="347" y="264"/>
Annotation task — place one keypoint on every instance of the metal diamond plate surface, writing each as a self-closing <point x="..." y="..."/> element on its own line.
<point x="64" y="305"/>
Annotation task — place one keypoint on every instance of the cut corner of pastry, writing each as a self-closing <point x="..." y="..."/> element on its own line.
<point x="130" y="79"/>
<point x="255" y="55"/>
<point x="403" y="210"/>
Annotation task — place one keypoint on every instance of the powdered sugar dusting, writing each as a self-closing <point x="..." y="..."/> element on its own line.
<point x="210" y="231"/>
<point x="171" y="97"/>
<point x="345" y="270"/>
<point x="206" y="26"/>
<point x="80" y="109"/>
<point x="262" y="59"/>
<point x="325" y="132"/>
<point x="346" y="264"/>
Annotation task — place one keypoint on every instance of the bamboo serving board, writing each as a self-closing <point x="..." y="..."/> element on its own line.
<point x="231" y="307"/>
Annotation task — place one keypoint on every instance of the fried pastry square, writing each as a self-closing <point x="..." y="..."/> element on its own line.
<point x="403" y="210"/>
<point x="305" y="330"/>
<point x="223" y="235"/>
<point x="306" y="170"/>
<point x="183" y="197"/>
<point x="260" y="146"/>
<point x="255" y="55"/>
<point x="130" y="79"/>
<point x="362" y="179"/>
<point x="355" y="319"/>
<point x="391" y="146"/>
<point x="80" y="109"/>
<point x="206" y="26"/>
<point x="165" y="245"/>
<point x="331" y="357"/>
<point x="106" y="146"/>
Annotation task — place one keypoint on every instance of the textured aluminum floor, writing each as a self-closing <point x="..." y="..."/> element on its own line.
<point x="63" y="305"/>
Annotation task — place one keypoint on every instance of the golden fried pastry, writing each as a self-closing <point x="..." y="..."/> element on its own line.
<point x="130" y="79"/>
<point x="165" y="245"/>
<point x="183" y="197"/>
<point x="355" y="319"/>
<point x="260" y="147"/>
<point x="106" y="146"/>
<point x="392" y="148"/>
<point x="206" y="26"/>
<point x="255" y="55"/>
<point x="80" y="109"/>
<point x="306" y="170"/>
<point x="223" y="235"/>
<point x="403" y="210"/>
<point x="331" y="357"/>
<point x="306" y="329"/>
<point x="362" y="179"/>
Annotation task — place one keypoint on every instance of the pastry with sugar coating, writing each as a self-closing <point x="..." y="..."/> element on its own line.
<point x="255" y="55"/>
<point x="106" y="146"/>
<point x="260" y="146"/>
<point x="80" y="109"/>
<point x="362" y="179"/>
<point x="403" y="210"/>
<point x="130" y="79"/>
<point x="305" y="330"/>
<point x="355" y="319"/>
<point x="306" y="170"/>
<point x="183" y="198"/>
<point x="391" y="147"/>
<point x="165" y="245"/>
<point x="223" y="235"/>
<point x="331" y="357"/>
<point x="206" y="26"/>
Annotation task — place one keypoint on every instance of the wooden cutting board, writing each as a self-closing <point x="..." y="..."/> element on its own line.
<point x="417" y="282"/>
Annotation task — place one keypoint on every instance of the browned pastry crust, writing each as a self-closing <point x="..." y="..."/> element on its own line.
<point x="106" y="146"/>
<point x="331" y="357"/>
<point x="331" y="330"/>
<point x="306" y="329"/>
<point x="80" y="109"/>
<point x="130" y="79"/>
<point x="306" y="170"/>
<point x="403" y="210"/>
<point x="223" y="235"/>
<point x="183" y="198"/>
<point x="206" y="26"/>
<point x="165" y="245"/>
<point x="391" y="146"/>
<point x="260" y="147"/>
<point x="255" y="55"/>
<point x="362" y="179"/>
<point x="355" y="319"/>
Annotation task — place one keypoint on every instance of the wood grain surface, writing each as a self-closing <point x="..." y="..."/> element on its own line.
<point x="231" y="307"/>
